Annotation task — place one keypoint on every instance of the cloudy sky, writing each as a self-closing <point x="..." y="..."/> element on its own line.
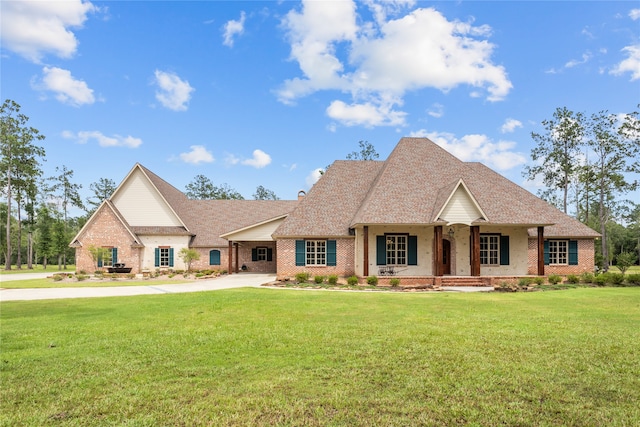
<point x="265" y="93"/>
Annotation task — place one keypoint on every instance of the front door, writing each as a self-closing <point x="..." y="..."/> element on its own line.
<point x="446" y="257"/>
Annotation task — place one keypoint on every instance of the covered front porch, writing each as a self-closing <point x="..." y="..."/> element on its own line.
<point x="427" y="253"/>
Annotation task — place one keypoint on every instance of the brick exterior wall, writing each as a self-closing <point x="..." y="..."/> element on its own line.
<point x="286" y="258"/>
<point x="106" y="230"/>
<point x="244" y="258"/>
<point x="586" y="259"/>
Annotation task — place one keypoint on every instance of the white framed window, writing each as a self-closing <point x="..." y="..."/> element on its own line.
<point x="559" y="252"/>
<point x="316" y="252"/>
<point x="396" y="249"/>
<point x="490" y="249"/>
<point x="164" y="257"/>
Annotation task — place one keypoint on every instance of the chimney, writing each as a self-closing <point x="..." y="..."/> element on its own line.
<point x="301" y="194"/>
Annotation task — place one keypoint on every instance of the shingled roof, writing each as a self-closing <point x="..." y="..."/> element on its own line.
<point x="411" y="187"/>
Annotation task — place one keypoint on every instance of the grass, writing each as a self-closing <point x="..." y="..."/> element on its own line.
<point x="37" y="268"/>
<point x="259" y="357"/>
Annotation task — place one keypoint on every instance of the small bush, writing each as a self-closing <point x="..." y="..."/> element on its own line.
<point x="394" y="282"/>
<point x="352" y="281"/>
<point x="372" y="280"/>
<point x="538" y="280"/>
<point x="318" y="279"/>
<point x="97" y="272"/>
<point x="572" y="278"/>
<point x="586" y="277"/>
<point x="57" y="277"/>
<point x="82" y="272"/>
<point x="600" y="279"/>
<point x="525" y="281"/>
<point x="131" y="276"/>
<point x="302" y="277"/>
<point x="81" y="277"/>
<point x="554" y="279"/>
<point x="199" y="274"/>
<point x="616" y="279"/>
<point x="333" y="279"/>
<point x="633" y="279"/>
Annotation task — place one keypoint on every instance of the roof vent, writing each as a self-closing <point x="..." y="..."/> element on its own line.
<point x="301" y="194"/>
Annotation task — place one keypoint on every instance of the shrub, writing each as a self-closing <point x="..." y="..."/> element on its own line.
<point x="625" y="260"/>
<point x="538" y="280"/>
<point x="131" y="276"/>
<point x="600" y="279"/>
<point x="616" y="279"/>
<point x="318" y="279"/>
<point x="57" y="277"/>
<point x="82" y="272"/>
<point x="525" y="281"/>
<point x="554" y="279"/>
<point x="394" y="282"/>
<point x="372" y="280"/>
<point x="586" y="277"/>
<point x="333" y="279"/>
<point x="302" y="277"/>
<point x="572" y="278"/>
<point x="81" y="277"/>
<point x="633" y="279"/>
<point x="352" y="281"/>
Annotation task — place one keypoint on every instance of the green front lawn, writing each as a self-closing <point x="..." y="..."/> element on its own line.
<point x="262" y="357"/>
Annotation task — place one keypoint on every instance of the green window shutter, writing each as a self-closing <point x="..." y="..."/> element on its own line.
<point x="214" y="257"/>
<point x="573" y="252"/>
<point x="381" y="250"/>
<point x="157" y="261"/>
<point x="300" y="252"/>
<point x="269" y="254"/>
<point x="504" y="250"/>
<point x="413" y="250"/>
<point x="170" y="257"/>
<point x="331" y="252"/>
<point x="99" y="261"/>
<point x="546" y="252"/>
<point x="114" y="256"/>
<point x="254" y="254"/>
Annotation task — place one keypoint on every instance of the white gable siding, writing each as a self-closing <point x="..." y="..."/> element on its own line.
<point x="460" y="209"/>
<point x="141" y="205"/>
<point x="260" y="233"/>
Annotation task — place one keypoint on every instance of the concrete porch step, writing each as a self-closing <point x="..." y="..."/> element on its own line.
<point x="464" y="281"/>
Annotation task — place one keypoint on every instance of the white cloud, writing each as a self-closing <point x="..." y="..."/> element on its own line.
<point x="313" y="177"/>
<point x="33" y="28"/>
<point x="260" y="159"/>
<point x="386" y="58"/>
<point x="631" y="64"/>
<point x="233" y="28"/>
<point x="575" y="62"/>
<point x="67" y="89"/>
<point x="173" y="92"/>
<point x="477" y="148"/>
<point x="198" y="154"/>
<point x="84" y="137"/>
<point x="510" y="125"/>
<point x="436" y="110"/>
<point x="634" y="14"/>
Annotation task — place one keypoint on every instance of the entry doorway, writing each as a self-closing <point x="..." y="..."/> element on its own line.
<point x="446" y="256"/>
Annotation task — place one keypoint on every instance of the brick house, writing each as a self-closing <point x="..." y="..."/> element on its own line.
<point x="421" y="215"/>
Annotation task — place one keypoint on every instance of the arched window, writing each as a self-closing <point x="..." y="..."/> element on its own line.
<point x="214" y="257"/>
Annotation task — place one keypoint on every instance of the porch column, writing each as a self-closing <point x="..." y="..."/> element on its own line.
<point x="237" y="269"/>
<point x="437" y="249"/>
<point x="230" y="258"/>
<point x="540" y="251"/>
<point x="475" y="250"/>
<point x="365" y="233"/>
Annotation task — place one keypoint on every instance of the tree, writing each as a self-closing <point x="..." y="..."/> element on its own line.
<point x="188" y="256"/>
<point x="67" y="193"/>
<point x="624" y="260"/>
<point x="201" y="188"/>
<point x="19" y="166"/>
<point x="556" y="152"/>
<point x="44" y="237"/>
<point x="367" y="152"/>
<point x="264" y="194"/>
<point x="99" y="253"/>
<point x="616" y="150"/>
<point x="102" y="190"/>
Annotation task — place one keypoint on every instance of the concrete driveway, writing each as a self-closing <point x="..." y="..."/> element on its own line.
<point x="241" y="280"/>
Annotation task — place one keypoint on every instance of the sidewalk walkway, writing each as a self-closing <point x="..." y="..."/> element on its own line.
<point x="241" y="280"/>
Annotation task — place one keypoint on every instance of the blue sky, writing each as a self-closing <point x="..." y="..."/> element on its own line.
<point x="265" y="93"/>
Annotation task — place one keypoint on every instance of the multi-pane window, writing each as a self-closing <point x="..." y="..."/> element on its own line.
<point x="396" y="249"/>
<point x="164" y="257"/>
<point x="316" y="252"/>
<point x="489" y="249"/>
<point x="558" y="251"/>
<point x="107" y="257"/>
<point x="261" y="254"/>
